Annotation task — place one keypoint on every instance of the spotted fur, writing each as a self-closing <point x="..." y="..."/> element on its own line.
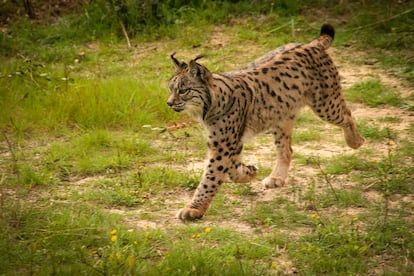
<point x="266" y="95"/>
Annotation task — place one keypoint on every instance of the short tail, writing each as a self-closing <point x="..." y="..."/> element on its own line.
<point x="326" y="36"/>
<point x="327" y="29"/>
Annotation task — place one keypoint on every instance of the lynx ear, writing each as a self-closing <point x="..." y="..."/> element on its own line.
<point x="179" y="65"/>
<point x="199" y="71"/>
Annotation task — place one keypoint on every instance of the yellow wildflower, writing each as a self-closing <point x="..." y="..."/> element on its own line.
<point x="194" y="236"/>
<point x="391" y="143"/>
<point x="114" y="238"/>
<point x="207" y="230"/>
<point x="274" y="265"/>
<point x="113" y="232"/>
<point x="315" y="216"/>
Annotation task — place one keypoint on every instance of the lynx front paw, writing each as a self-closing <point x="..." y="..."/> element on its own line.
<point x="187" y="214"/>
<point x="244" y="174"/>
<point x="273" y="182"/>
<point x="253" y="171"/>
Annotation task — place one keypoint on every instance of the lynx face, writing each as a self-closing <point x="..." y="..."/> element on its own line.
<point x="189" y="91"/>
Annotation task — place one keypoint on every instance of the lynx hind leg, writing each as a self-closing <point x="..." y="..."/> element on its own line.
<point x="271" y="182"/>
<point x="339" y="114"/>
<point x="284" y="155"/>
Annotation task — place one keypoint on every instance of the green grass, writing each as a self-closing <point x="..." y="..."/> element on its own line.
<point x="90" y="180"/>
<point x="33" y="243"/>
<point x="336" y="246"/>
<point x="305" y="136"/>
<point x="97" y="244"/>
<point x="232" y="256"/>
<point x="116" y="102"/>
<point x="265" y="214"/>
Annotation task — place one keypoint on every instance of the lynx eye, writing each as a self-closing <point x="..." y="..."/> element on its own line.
<point x="183" y="91"/>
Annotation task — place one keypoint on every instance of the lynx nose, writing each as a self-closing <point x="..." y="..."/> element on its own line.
<point x="171" y="100"/>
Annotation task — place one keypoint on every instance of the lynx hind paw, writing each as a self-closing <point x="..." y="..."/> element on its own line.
<point x="355" y="142"/>
<point x="352" y="136"/>
<point x="273" y="182"/>
<point x="189" y="214"/>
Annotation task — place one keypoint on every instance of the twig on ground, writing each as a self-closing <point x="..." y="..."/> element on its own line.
<point x="327" y="178"/>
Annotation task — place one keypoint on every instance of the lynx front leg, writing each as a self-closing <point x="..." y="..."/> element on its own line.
<point x="210" y="183"/>
<point x="240" y="172"/>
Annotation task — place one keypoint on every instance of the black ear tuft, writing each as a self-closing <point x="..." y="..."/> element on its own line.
<point x="199" y="57"/>
<point x="178" y="64"/>
<point x="327" y="29"/>
<point x="199" y="71"/>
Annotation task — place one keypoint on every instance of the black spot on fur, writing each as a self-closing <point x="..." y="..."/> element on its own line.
<point x="279" y="99"/>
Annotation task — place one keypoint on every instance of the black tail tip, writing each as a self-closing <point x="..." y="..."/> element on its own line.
<point x="327" y="29"/>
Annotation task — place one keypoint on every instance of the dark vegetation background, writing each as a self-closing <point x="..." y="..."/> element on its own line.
<point x="36" y="23"/>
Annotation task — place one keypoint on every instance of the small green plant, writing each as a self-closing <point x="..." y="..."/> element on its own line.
<point x="371" y="131"/>
<point x="242" y="189"/>
<point x="345" y="164"/>
<point x="344" y="198"/>
<point x="373" y="93"/>
<point x="31" y="177"/>
<point x="393" y="177"/>
<point x="389" y="119"/>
